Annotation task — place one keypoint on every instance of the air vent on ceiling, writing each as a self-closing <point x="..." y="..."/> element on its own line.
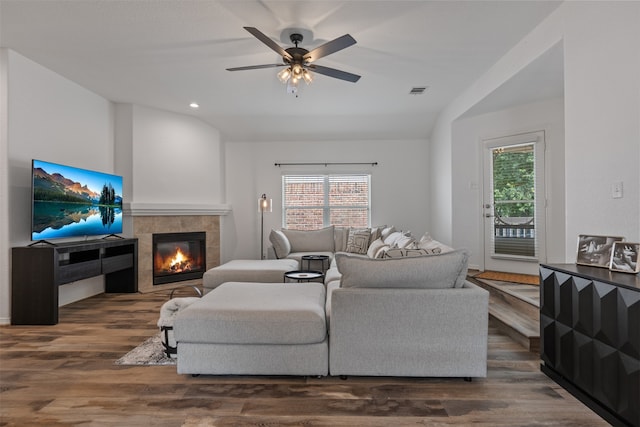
<point x="418" y="90"/>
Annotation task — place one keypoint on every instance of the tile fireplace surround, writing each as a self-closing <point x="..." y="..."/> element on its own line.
<point x="146" y="222"/>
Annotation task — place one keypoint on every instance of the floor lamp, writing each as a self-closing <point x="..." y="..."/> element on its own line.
<point x="264" y="205"/>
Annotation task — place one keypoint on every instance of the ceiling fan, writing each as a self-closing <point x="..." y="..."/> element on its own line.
<point x="299" y="61"/>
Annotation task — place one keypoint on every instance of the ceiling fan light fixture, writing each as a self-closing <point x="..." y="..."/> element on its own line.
<point x="297" y="59"/>
<point x="292" y="87"/>
<point x="284" y="74"/>
<point x="307" y="76"/>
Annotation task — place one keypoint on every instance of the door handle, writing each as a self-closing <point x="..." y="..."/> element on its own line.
<point x="488" y="215"/>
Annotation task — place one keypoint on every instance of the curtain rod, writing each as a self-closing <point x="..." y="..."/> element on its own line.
<point x="325" y="164"/>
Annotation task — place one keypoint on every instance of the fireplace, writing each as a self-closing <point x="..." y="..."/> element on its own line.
<point x="178" y="256"/>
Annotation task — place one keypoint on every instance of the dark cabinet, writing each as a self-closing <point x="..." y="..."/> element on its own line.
<point x="590" y="337"/>
<point x="37" y="271"/>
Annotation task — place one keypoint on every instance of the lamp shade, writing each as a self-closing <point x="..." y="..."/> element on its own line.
<point x="264" y="204"/>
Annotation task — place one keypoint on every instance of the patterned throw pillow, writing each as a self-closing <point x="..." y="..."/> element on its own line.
<point x="358" y="241"/>
<point x="403" y="252"/>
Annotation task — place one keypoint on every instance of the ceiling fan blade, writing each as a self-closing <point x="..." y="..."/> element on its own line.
<point x="266" y="40"/>
<point x="256" y="67"/>
<point x="332" y="72"/>
<point x="330" y="47"/>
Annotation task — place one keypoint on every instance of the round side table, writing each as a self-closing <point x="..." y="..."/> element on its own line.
<point x="319" y="258"/>
<point x="303" y="275"/>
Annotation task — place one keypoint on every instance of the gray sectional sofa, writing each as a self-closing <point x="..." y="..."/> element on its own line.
<point x="380" y="316"/>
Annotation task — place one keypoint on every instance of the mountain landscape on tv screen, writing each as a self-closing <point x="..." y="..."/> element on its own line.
<point x="63" y="207"/>
<point x="55" y="187"/>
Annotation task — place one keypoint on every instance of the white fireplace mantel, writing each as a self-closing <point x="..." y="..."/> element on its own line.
<point x="172" y="209"/>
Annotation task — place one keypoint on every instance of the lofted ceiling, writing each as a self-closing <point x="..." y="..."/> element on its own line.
<point x="166" y="54"/>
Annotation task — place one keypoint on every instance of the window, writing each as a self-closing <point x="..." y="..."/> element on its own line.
<point x="310" y="202"/>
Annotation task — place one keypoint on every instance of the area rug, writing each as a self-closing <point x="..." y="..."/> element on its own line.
<point x="150" y="352"/>
<point x="509" y="277"/>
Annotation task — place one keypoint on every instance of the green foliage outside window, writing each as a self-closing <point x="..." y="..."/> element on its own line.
<point x="514" y="182"/>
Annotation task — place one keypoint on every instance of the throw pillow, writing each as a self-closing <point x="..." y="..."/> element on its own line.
<point x="392" y="238"/>
<point x="376" y="232"/>
<point x="424" y="272"/>
<point x="404" y="241"/>
<point x="380" y="253"/>
<point x="386" y="231"/>
<point x="358" y="241"/>
<point x="311" y="240"/>
<point x="341" y="235"/>
<point x="374" y="247"/>
<point x="432" y="246"/>
<point x="404" y="252"/>
<point x="280" y="243"/>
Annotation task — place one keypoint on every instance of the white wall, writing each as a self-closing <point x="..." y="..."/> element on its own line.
<point x="467" y="135"/>
<point x="53" y="119"/>
<point x="602" y="89"/>
<point x="543" y="38"/>
<point x="175" y="159"/>
<point x="602" y="114"/>
<point x="399" y="184"/>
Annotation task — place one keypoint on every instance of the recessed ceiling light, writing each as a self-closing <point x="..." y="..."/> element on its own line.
<point x="194" y="105"/>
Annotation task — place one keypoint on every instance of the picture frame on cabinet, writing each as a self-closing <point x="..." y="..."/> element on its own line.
<point x="624" y="257"/>
<point x="596" y="250"/>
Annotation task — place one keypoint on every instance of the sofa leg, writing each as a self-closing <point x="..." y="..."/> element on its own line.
<point x="468" y="379"/>
<point x="195" y="375"/>
<point x="343" y="377"/>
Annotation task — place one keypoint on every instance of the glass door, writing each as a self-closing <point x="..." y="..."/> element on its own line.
<point x="514" y="203"/>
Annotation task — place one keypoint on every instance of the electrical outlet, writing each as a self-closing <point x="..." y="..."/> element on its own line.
<point x="616" y="190"/>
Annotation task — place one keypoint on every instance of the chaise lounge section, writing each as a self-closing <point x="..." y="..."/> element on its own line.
<point x="248" y="270"/>
<point x="243" y="328"/>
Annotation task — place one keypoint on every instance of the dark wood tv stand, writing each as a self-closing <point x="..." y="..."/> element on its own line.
<point x="37" y="271"/>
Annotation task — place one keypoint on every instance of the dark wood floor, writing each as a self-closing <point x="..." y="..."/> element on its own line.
<point x="65" y="375"/>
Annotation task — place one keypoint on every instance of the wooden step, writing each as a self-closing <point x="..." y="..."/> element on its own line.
<point x="515" y="308"/>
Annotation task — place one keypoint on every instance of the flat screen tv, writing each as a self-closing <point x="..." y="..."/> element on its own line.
<point x="71" y="202"/>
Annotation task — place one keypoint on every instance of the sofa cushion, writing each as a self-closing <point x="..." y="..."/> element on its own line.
<point x="358" y="241"/>
<point x="332" y="275"/>
<point x="256" y="313"/>
<point x="311" y="240"/>
<point x="376" y="248"/>
<point x="248" y="270"/>
<point x="280" y="243"/>
<point x="424" y="272"/>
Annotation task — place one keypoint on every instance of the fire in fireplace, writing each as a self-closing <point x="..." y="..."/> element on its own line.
<point x="178" y="257"/>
